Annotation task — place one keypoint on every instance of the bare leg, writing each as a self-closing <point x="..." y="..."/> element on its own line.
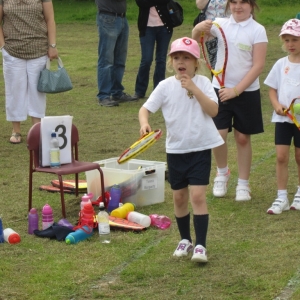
<point x="244" y="154"/>
<point x="35" y="120"/>
<point x="220" y="153"/>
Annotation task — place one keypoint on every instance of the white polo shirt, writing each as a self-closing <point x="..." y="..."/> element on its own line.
<point x="240" y="40"/>
<point x="284" y="77"/>
<point x="189" y="128"/>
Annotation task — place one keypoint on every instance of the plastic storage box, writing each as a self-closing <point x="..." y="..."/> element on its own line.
<point x="142" y="182"/>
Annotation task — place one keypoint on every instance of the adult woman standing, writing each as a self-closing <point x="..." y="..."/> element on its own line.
<point x="155" y="27"/>
<point x="215" y="9"/>
<point x="27" y="38"/>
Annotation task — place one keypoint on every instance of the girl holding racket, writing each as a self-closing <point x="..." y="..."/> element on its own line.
<point x="188" y="103"/>
<point x="284" y="83"/>
<point x="247" y="47"/>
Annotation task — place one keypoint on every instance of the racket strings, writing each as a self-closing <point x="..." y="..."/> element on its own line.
<point x="220" y="49"/>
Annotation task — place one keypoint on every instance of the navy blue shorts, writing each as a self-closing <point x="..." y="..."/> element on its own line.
<point x="285" y="132"/>
<point x="189" y="169"/>
<point x="242" y="112"/>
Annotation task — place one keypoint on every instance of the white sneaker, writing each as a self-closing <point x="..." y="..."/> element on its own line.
<point x="199" y="254"/>
<point x="183" y="249"/>
<point x="296" y="203"/>
<point x="278" y="206"/>
<point x="220" y="184"/>
<point x="243" y="193"/>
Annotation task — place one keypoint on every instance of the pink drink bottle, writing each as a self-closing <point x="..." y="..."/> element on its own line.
<point x="84" y="200"/>
<point x="33" y="220"/>
<point x="161" y="222"/>
<point x="47" y="216"/>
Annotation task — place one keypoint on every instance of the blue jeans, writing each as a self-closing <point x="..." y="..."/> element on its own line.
<point x="161" y="37"/>
<point x="112" y="52"/>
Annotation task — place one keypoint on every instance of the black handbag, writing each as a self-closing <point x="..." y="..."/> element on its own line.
<point x="54" y="81"/>
<point x="175" y="13"/>
<point x="201" y="16"/>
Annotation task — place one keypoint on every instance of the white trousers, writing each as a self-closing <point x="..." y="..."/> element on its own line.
<point x="22" y="98"/>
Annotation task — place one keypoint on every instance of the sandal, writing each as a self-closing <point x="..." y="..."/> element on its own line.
<point x="15" y="138"/>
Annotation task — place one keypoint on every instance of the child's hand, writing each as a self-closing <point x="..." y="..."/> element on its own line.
<point x="187" y="83"/>
<point x="203" y="26"/>
<point x="145" y="129"/>
<point x="279" y="109"/>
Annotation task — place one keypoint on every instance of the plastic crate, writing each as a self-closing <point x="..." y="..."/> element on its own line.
<point x="142" y="182"/>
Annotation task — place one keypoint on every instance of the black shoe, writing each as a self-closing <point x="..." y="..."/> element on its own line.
<point x="138" y="96"/>
<point x="108" y="102"/>
<point x="125" y="98"/>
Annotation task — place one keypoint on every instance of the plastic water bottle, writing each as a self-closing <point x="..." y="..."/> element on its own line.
<point x="47" y="216"/>
<point x="115" y="197"/>
<point x="33" y="220"/>
<point x="139" y="218"/>
<point x="79" y="235"/>
<point x="1" y="231"/>
<point x="54" y="151"/>
<point x="123" y="210"/>
<point x="161" y="222"/>
<point x="84" y="200"/>
<point x="11" y="237"/>
<point x="103" y="224"/>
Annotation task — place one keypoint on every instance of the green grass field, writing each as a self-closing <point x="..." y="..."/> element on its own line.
<point x="252" y="255"/>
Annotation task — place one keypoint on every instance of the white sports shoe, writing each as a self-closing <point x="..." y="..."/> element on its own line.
<point x="296" y="203"/>
<point x="220" y="184"/>
<point x="199" y="254"/>
<point x="278" y="206"/>
<point x="243" y="193"/>
<point x="183" y="249"/>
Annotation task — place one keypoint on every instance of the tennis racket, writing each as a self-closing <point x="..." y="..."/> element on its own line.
<point x="142" y="144"/>
<point x="215" y="53"/>
<point x="293" y="112"/>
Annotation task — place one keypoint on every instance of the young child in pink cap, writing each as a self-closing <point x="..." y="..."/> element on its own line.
<point x="284" y="83"/>
<point x="188" y="103"/>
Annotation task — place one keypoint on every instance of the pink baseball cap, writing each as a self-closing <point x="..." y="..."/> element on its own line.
<point x="291" y="27"/>
<point x="186" y="44"/>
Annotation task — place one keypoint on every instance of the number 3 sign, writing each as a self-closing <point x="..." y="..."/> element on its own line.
<point x="62" y="125"/>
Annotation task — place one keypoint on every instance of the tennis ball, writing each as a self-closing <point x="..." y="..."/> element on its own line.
<point x="297" y="108"/>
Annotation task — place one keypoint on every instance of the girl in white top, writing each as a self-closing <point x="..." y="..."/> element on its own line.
<point x="247" y="46"/>
<point x="188" y="103"/>
<point x="284" y="83"/>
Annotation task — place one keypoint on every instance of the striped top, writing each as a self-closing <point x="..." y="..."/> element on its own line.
<point x="24" y="28"/>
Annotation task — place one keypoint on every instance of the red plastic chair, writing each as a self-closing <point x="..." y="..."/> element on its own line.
<point x="75" y="167"/>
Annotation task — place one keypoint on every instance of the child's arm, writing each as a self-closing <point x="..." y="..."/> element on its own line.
<point x="259" y="57"/>
<point x="204" y="26"/>
<point x="143" y="118"/>
<point x="208" y="106"/>
<point x="278" y="107"/>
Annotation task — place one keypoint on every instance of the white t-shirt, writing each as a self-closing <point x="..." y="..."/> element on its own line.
<point x="285" y="78"/>
<point x="189" y="128"/>
<point x="240" y="40"/>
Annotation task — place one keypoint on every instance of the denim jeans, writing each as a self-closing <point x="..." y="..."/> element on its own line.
<point x="161" y="37"/>
<point x="112" y="52"/>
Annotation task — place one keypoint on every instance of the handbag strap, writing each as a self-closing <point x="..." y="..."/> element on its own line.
<point x="59" y="63"/>
<point x="205" y="8"/>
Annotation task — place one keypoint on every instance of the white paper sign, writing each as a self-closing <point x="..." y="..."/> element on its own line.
<point x="62" y="125"/>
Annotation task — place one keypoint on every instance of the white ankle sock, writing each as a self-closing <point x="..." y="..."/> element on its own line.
<point x="222" y="171"/>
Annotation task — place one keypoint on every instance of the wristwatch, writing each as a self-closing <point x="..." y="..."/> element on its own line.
<point x="52" y="45"/>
